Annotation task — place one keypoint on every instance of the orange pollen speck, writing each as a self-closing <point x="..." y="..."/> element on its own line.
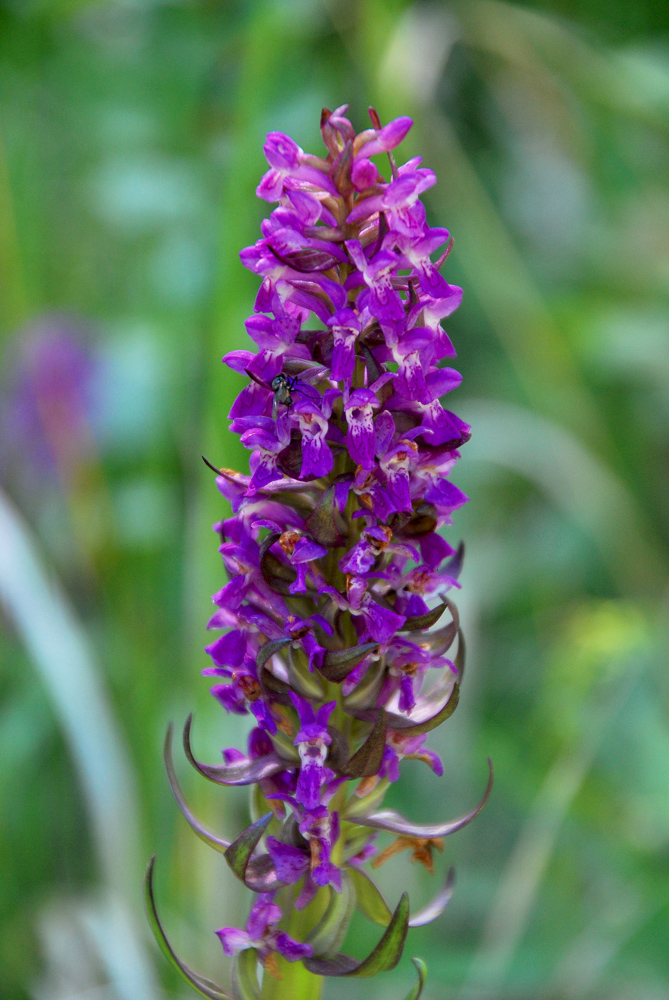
<point x="250" y="687"/>
<point x="419" y="583"/>
<point x="288" y="540"/>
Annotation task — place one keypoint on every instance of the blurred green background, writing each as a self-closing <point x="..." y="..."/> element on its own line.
<point x="130" y="146"/>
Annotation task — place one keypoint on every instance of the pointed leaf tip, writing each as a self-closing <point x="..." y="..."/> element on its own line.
<point x="416" y="991"/>
<point x="240" y="850"/>
<point x="383" y="957"/>
<point x="245" y="772"/>
<point x="435" y="908"/>
<point x="393" y="822"/>
<point x="205" y="987"/>
<point x="209" y="838"/>
<point x="367" y="760"/>
<point x="338" y="664"/>
<point x="416" y="623"/>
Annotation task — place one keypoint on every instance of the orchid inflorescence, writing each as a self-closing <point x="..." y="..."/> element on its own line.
<point x="337" y="569"/>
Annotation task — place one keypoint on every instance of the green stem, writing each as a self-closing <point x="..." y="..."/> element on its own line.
<point x="296" y="982"/>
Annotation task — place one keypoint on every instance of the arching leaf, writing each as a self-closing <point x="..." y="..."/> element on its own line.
<point x="367" y="760"/>
<point x="392" y="822"/>
<point x="244" y="975"/>
<point x="246" y="772"/>
<point x="205" y="987"/>
<point x="417" y="622"/>
<point x="428" y="724"/>
<point x="384" y="956"/>
<point x="209" y="838"/>
<point x="337" y="665"/>
<point x="269" y="649"/>
<point x="421" y="968"/>
<point x="437" y="906"/>
<point x="327" y="936"/>
<point x="240" y="850"/>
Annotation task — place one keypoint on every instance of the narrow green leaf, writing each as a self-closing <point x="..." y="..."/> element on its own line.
<point x="209" y="838"/>
<point x="327" y="936"/>
<point x="269" y="649"/>
<point x="384" y="956"/>
<point x="459" y="660"/>
<point x="246" y="772"/>
<point x="204" y="986"/>
<point x="285" y="747"/>
<point x="338" y="664"/>
<point x="454" y="565"/>
<point x="367" y="760"/>
<point x="338" y="751"/>
<point x="421" y="968"/>
<point x="393" y="822"/>
<point x="240" y="850"/>
<point x="441" y="640"/>
<point x="363" y="806"/>
<point x="417" y="622"/>
<point x="437" y="906"/>
<point x="436" y="720"/>
<point x="302" y="680"/>
<point x="364" y="694"/>
<point x="244" y="975"/>
<point x="325" y="524"/>
<point x="368" y="898"/>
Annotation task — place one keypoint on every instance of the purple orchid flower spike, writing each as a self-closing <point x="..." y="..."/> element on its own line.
<point x="337" y="637"/>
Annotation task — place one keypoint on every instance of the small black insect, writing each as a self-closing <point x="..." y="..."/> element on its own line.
<point x="283" y="386"/>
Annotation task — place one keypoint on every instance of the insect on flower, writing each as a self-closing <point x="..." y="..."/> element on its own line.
<point x="282" y="386"/>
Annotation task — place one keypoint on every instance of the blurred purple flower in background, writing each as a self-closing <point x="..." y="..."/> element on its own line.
<point x="47" y="401"/>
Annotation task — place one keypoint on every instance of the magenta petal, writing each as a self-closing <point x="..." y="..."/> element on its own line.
<point x="290" y="862"/>
<point x="233" y="940"/>
<point x="292" y="950"/>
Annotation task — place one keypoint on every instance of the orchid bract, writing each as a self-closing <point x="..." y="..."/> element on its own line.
<point x="337" y="630"/>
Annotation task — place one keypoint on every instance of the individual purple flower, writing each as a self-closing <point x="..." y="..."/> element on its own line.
<point x="312" y="742"/>
<point x="243" y="693"/>
<point x="289" y="169"/>
<point x="416" y="255"/>
<point x="261" y="933"/>
<point x="360" y="438"/>
<point x="401" y="747"/>
<point x="345" y="326"/>
<point x="384" y="139"/>
<point x="380" y="622"/>
<point x="317" y="458"/>
<point x="266" y="438"/>
<point x="320" y="831"/>
<point x="407" y="665"/>
<point x="301" y="552"/>
<point x="429" y="312"/>
<point x="380" y="297"/>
